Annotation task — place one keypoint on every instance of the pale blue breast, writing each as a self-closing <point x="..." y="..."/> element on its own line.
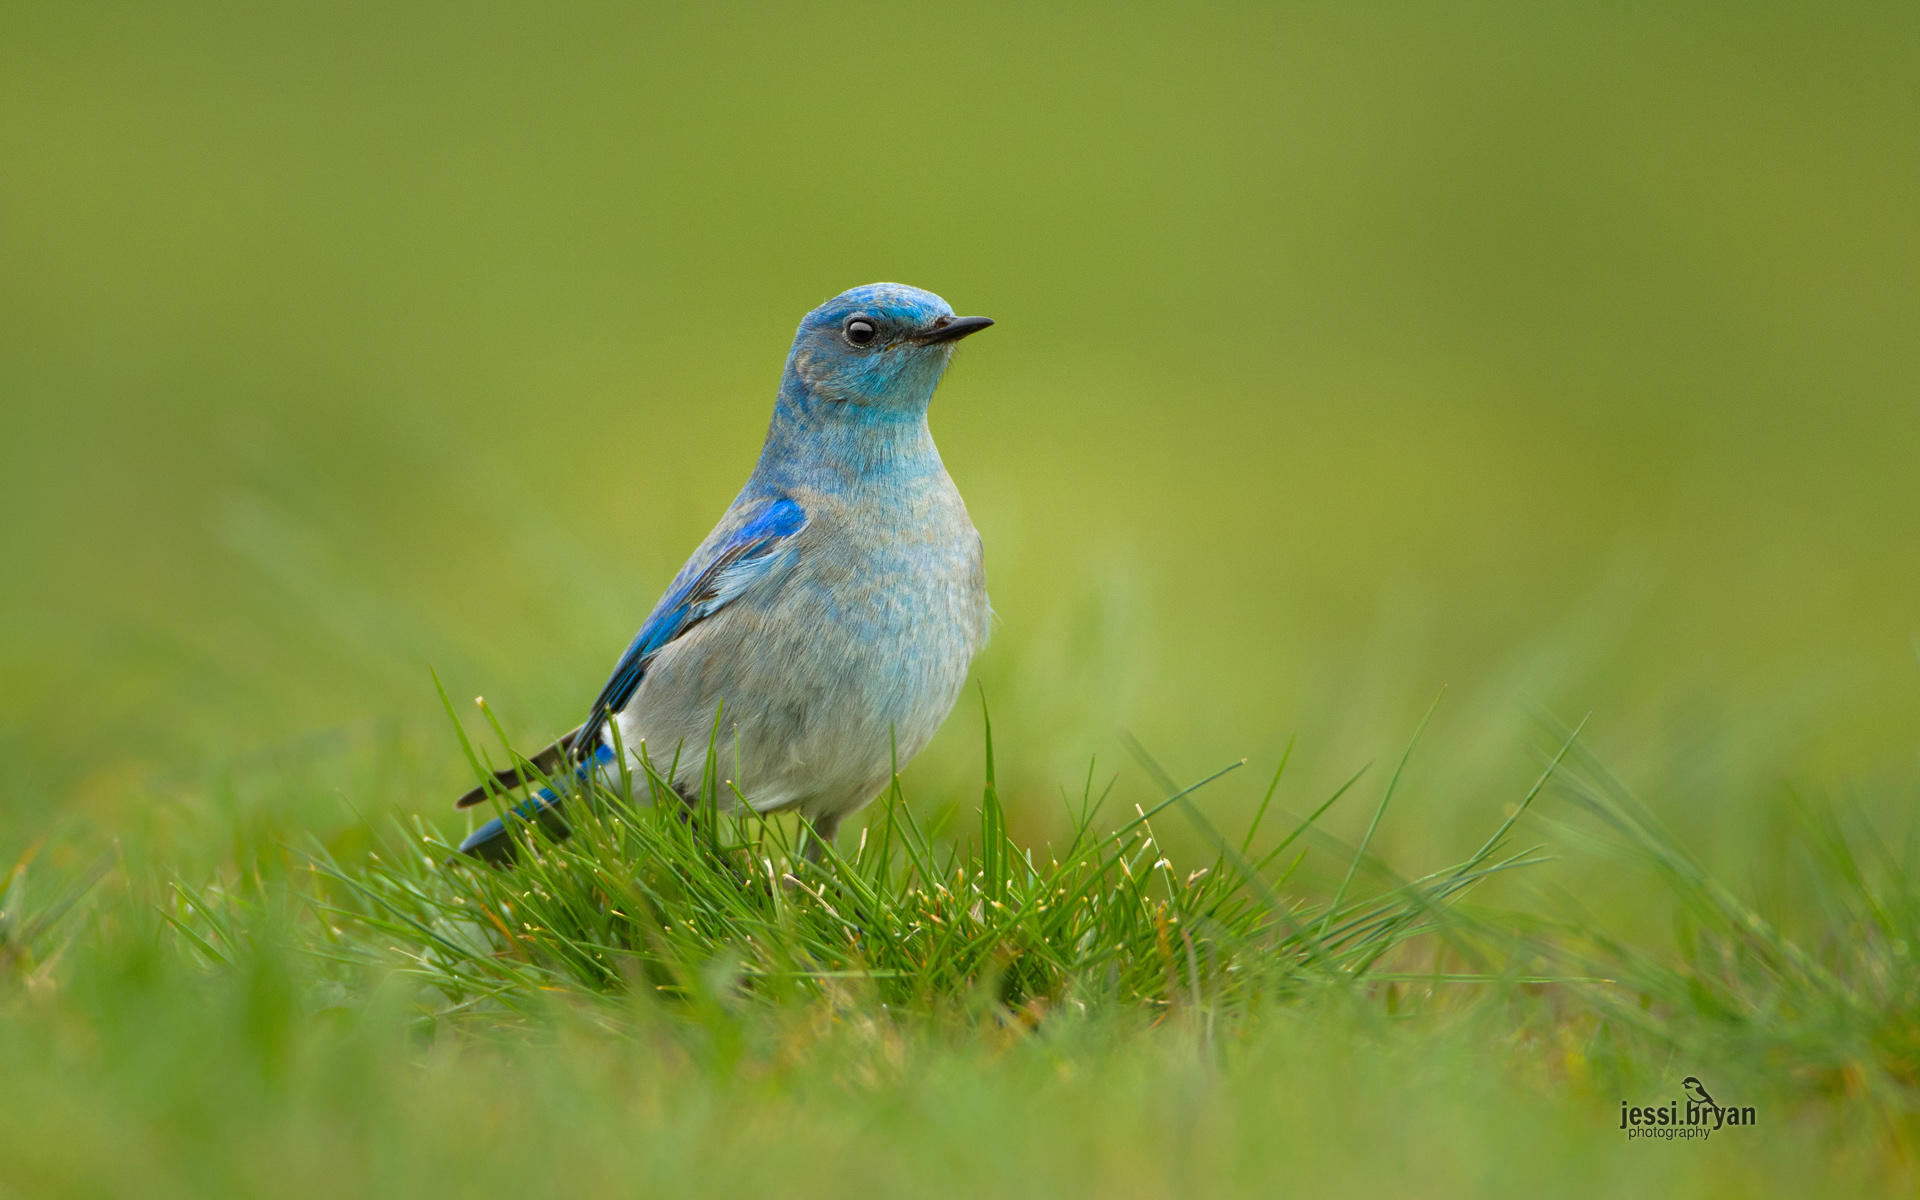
<point x="854" y="651"/>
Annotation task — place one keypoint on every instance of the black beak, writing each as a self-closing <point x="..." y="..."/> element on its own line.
<point x="952" y="329"/>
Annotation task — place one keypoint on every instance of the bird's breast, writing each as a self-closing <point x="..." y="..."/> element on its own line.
<point x="899" y="576"/>
<point x="853" y="653"/>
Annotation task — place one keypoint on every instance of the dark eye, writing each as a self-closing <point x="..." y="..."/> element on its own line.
<point x="859" y="331"/>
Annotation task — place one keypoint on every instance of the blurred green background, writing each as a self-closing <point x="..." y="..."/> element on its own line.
<point x="1559" y="358"/>
<point x="1563" y="359"/>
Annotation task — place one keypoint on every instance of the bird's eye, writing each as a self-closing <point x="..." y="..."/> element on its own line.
<point x="859" y="331"/>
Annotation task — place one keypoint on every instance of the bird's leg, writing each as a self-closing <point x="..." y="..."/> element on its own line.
<point x="819" y="833"/>
<point x="689" y="805"/>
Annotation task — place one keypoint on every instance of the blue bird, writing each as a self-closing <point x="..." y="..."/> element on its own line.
<point x="829" y="618"/>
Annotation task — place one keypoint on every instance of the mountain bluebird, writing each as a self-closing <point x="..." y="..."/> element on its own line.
<point x="830" y="616"/>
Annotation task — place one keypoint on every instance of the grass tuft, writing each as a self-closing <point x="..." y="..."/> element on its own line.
<point x="699" y="905"/>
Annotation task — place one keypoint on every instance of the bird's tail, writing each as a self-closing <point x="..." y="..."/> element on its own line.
<point x="491" y="841"/>
<point x="548" y="762"/>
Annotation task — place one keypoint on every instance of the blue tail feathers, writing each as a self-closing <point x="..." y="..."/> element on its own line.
<point x="491" y="841"/>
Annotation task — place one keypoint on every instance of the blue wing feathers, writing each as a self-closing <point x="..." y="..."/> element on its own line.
<point x="704" y="586"/>
<point x="702" y="589"/>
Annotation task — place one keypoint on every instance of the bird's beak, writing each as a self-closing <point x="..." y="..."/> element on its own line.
<point x="952" y="329"/>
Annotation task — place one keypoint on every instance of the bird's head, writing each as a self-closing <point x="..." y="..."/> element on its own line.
<point x="874" y="352"/>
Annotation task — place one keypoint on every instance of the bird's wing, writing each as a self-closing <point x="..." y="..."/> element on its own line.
<point x="712" y="579"/>
<point x="703" y="587"/>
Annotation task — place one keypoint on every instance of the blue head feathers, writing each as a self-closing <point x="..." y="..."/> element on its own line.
<point x="875" y="352"/>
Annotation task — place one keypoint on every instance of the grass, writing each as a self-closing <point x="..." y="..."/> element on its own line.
<point x="1554" y="361"/>
<point x="1833" y="1006"/>
<point x="681" y="906"/>
<point x="665" y="992"/>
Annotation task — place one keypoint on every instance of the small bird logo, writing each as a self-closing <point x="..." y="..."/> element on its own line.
<point x="1697" y="1091"/>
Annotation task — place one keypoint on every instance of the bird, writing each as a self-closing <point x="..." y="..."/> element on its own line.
<point x="1696" y="1091"/>
<point x="822" y="632"/>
